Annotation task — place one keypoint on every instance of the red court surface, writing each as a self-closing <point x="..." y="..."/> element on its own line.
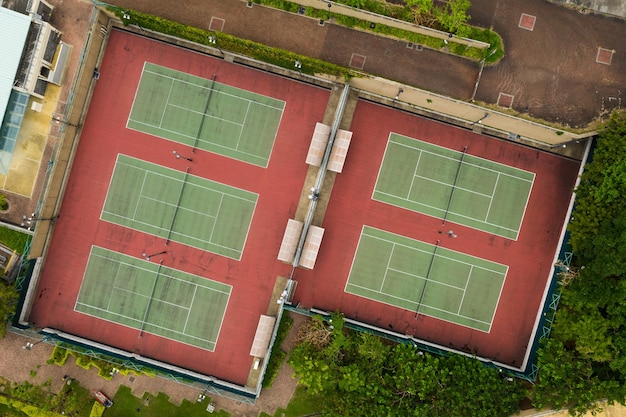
<point x="78" y="228"/>
<point x="529" y="258"/>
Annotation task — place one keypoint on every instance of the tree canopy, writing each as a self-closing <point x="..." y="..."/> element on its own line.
<point x="358" y="374"/>
<point x="585" y="359"/>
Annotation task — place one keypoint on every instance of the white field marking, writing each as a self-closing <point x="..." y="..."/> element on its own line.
<point x="240" y="124"/>
<point x="345" y="288"/>
<point x="146" y="323"/>
<point x="203" y="187"/>
<point x="380" y="169"/>
<point x="493" y="193"/>
<point x="470" y="155"/>
<point x="132" y="106"/>
<point x="429" y="315"/>
<point x="472" y="266"/>
<point x="417" y="164"/>
<point x="153" y="299"/>
<point x="211" y="343"/>
<point x="500" y="294"/>
<point x="199" y="141"/>
<point x="106" y="197"/>
<point x="153" y="270"/>
<point x="219" y="206"/>
<point x="525" y="206"/>
<point x="180" y="208"/>
<point x="167" y="100"/>
<point x="143" y="183"/>
<point x="181" y="237"/>
<point x="193" y="297"/>
<point x="465" y="289"/>
<point x="413" y="302"/>
<point x="117" y="273"/>
<point x="243" y="123"/>
<point x="450" y="185"/>
<point x="221" y="92"/>
<point x="451" y="212"/>
<point x="387" y="267"/>
<point x="438" y="255"/>
<point x="424" y="278"/>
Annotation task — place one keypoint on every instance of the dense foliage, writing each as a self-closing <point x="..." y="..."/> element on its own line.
<point x="8" y="298"/>
<point x="357" y="374"/>
<point x="585" y="360"/>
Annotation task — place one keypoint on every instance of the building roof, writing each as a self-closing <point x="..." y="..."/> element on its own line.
<point x="13" y="31"/>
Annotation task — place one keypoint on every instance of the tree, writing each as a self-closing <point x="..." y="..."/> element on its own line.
<point x="8" y="298"/>
<point x="359" y="374"/>
<point x="584" y="361"/>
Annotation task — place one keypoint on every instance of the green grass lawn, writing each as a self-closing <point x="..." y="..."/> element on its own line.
<point x="126" y="404"/>
<point x="301" y="404"/>
<point x="13" y="239"/>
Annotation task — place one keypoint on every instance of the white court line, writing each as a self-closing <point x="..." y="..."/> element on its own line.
<point x="132" y="106"/>
<point x="180" y="208"/>
<point x="220" y="92"/>
<point x="135" y="266"/>
<point x="203" y="187"/>
<point x="193" y="297"/>
<point x="243" y="123"/>
<point x="424" y="278"/>
<point x="465" y="289"/>
<point x="416" y="305"/>
<point x="207" y="115"/>
<point x="441" y="155"/>
<point x="387" y="267"/>
<point x="200" y="140"/>
<point x="417" y="164"/>
<point x="212" y="343"/>
<point x="219" y="207"/>
<point x="117" y="273"/>
<point x="179" y="234"/>
<point x="451" y="212"/>
<point x="493" y="193"/>
<point x="167" y="100"/>
<point x="143" y="183"/>
<point x="438" y="255"/>
<point x="153" y="299"/>
<point x="451" y="185"/>
<point x="146" y="323"/>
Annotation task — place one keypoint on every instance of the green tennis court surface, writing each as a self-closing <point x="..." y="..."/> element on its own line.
<point x="425" y="278"/>
<point x="206" y="114"/>
<point x="453" y="185"/>
<point x="180" y="207"/>
<point x="152" y="298"/>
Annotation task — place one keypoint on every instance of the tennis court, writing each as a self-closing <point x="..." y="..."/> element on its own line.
<point x="206" y="114"/>
<point x="426" y="278"/>
<point x="178" y="206"/>
<point x="153" y="298"/>
<point x="453" y="186"/>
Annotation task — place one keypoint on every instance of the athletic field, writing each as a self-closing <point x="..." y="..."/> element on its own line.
<point x="206" y="114"/>
<point x="178" y="206"/>
<point x="153" y="298"/>
<point x="453" y="186"/>
<point x="427" y="279"/>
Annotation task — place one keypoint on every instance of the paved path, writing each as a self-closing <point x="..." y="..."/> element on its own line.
<point x="17" y="363"/>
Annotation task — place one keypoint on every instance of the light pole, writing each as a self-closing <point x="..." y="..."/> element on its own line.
<point x="481" y="119"/>
<point x="138" y="409"/>
<point x="298" y="66"/>
<point x="30" y="221"/>
<point x="29" y="345"/>
<point x="400" y="91"/>
<point x="179" y="156"/>
<point x="148" y="257"/>
<point x="329" y="6"/>
<point x="58" y="120"/>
